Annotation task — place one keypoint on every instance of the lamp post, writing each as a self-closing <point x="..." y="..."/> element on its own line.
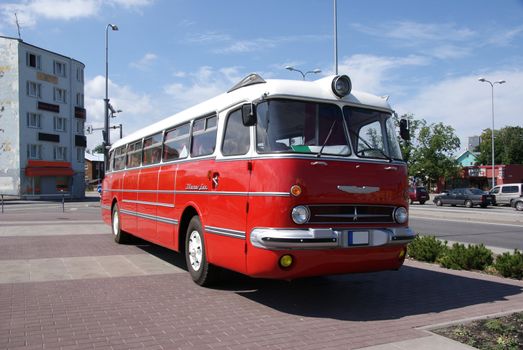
<point x="483" y="80"/>
<point x="292" y="69"/>
<point x="106" y="136"/>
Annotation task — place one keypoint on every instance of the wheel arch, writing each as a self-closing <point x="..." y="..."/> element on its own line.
<point x="188" y="213"/>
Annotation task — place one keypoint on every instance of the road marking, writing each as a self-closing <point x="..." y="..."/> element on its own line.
<point x="465" y="220"/>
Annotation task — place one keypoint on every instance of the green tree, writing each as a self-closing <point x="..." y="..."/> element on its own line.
<point x="99" y="149"/>
<point x="508" y="144"/>
<point x="430" y="151"/>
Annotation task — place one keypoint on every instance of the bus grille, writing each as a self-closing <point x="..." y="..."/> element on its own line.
<point x="355" y="214"/>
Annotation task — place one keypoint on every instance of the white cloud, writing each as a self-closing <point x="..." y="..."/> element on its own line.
<point x="465" y="104"/>
<point x="145" y="62"/>
<point x="30" y="11"/>
<point x="206" y="83"/>
<point x="375" y="74"/>
<point x="137" y="109"/>
<point x="439" y="40"/>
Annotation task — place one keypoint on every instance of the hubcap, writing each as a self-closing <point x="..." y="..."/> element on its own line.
<point x="116" y="222"/>
<point x="519" y="206"/>
<point x="195" y="250"/>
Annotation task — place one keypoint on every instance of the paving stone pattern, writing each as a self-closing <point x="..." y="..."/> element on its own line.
<point x="150" y="302"/>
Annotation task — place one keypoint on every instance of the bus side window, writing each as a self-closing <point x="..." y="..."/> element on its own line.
<point x="176" y="143"/>
<point x="134" y="154"/>
<point x="152" y="149"/>
<point x="236" y="139"/>
<point x="204" y="136"/>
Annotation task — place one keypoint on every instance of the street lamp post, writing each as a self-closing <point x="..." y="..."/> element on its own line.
<point x="106" y="136"/>
<point x="483" y="80"/>
<point x="292" y="69"/>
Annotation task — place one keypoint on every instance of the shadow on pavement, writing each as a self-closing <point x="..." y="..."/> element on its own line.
<point x="358" y="297"/>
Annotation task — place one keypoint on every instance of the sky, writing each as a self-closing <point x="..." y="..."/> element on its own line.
<point x="171" y="54"/>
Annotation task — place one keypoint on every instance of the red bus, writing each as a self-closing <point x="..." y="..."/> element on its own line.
<point x="274" y="179"/>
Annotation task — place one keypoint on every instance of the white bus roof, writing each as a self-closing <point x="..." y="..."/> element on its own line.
<point x="314" y="90"/>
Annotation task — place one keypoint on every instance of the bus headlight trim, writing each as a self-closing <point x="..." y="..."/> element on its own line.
<point x="401" y="215"/>
<point x="300" y="214"/>
<point x="341" y="85"/>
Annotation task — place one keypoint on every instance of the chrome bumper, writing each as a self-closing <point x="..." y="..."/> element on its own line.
<point x="268" y="238"/>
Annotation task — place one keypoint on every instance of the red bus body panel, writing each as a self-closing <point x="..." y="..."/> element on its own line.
<point x="234" y="197"/>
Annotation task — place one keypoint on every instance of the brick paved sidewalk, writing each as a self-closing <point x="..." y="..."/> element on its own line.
<point x="149" y="301"/>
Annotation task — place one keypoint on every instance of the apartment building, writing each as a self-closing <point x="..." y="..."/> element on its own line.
<point x="42" y="119"/>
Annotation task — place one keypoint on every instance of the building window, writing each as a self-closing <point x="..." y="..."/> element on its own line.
<point x="80" y="154"/>
<point x="34" y="151"/>
<point x="80" y="125"/>
<point x="33" y="60"/>
<point x="59" y="153"/>
<point x="59" y="95"/>
<point x="80" y="74"/>
<point x="59" y="68"/>
<point x="34" y="89"/>
<point x="80" y="100"/>
<point x="34" y="120"/>
<point x="59" y="123"/>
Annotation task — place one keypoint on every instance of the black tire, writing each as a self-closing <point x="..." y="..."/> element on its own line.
<point x="421" y="202"/>
<point x="199" y="268"/>
<point x="438" y="202"/>
<point x="519" y="206"/>
<point x="483" y="205"/>
<point x="120" y="236"/>
<point x="468" y="203"/>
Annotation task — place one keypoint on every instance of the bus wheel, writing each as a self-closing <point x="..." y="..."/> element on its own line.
<point x="119" y="235"/>
<point x="201" y="271"/>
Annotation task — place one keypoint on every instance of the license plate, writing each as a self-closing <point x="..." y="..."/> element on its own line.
<point x="358" y="238"/>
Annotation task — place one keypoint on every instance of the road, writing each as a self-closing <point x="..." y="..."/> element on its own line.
<point x="493" y="226"/>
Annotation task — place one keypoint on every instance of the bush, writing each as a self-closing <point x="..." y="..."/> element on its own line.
<point x="473" y="257"/>
<point x="510" y="265"/>
<point x="426" y="248"/>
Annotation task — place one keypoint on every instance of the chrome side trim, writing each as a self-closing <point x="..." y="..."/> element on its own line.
<point x="327" y="238"/>
<point x="150" y="217"/>
<point x="215" y="193"/>
<point x="158" y="204"/>
<point x="225" y="232"/>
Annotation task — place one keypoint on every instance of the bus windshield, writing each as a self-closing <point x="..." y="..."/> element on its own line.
<point x="372" y="133"/>
<point x="300" y="127"/>
<point x="290" y="126"/>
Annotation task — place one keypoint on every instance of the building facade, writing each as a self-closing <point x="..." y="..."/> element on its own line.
<point x="42" y="119"/>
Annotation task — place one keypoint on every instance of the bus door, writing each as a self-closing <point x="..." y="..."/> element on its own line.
<point x="147" y="196"/>
<point x="225" y="225"/>
<point x="130" y="187"/>
<point x="175" y="147"/>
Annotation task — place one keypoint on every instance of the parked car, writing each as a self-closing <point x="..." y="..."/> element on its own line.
<point x="418" y="194"/>
<point x="517" y="203"/>
<point x="507" y="192"/>
<point x="468" y="197"/>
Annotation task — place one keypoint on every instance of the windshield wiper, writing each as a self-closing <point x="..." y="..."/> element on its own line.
<point x="326" y="139"/>
<point x="369" y="147"/>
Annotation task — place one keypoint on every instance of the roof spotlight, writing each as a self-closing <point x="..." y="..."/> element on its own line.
<point x="341" y="85"/>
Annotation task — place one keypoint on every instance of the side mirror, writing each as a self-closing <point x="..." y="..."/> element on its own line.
<point x="249" y="114"/>
<point x="404" y="129"/>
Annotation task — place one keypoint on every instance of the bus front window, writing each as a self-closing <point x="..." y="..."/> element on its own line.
<point x="372" y="133"/>
<point x="289" y="126"/>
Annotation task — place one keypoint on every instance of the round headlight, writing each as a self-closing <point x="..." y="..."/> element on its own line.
<point x="300" y="214"/>
<point x="341" y="85"/>
<point x="401" y="215"/>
